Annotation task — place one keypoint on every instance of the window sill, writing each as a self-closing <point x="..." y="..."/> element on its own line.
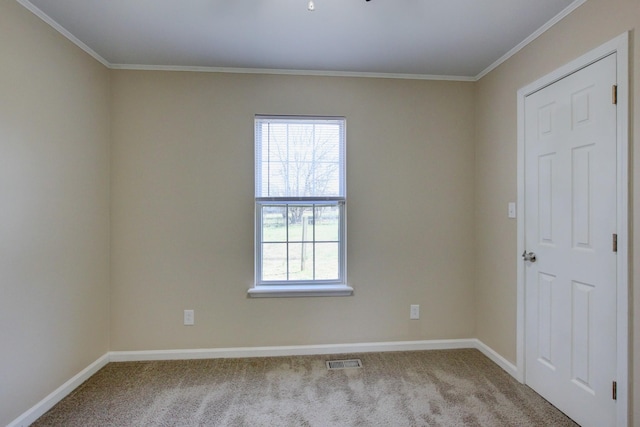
<point x="286" y="291"/>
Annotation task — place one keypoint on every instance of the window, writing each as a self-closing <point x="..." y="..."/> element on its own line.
<point x="300" y="206"/>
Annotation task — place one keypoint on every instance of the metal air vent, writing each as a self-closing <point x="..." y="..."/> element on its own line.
<point x="344" y="364"/>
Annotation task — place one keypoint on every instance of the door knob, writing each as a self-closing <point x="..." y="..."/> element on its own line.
<point x="529" y="256"/>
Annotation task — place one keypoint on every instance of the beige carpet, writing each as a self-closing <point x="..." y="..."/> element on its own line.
<point x="423" y="388"/>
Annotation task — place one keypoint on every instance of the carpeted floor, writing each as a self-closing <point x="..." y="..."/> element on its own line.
<point x="421" y="388"/>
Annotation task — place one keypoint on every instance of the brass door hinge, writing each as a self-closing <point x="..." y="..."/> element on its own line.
<point x="614" y="94"/>
<point x="615" y="243"/>
<point x="615" y="390"/>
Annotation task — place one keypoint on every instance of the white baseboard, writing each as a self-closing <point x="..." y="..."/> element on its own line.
<point x="60" y="393"/>
<point x="298" y="350"/>
<point x="499" y="360"/>
<point x="304" y="350"/>
<point x="216" y="353"/>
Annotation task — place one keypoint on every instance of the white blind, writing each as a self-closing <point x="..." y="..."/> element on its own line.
<point x="300" y="158"/>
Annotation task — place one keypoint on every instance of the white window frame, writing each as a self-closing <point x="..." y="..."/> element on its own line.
<point x="293" y="288"/>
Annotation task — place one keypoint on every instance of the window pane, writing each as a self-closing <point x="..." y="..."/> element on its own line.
<point x="326" y="178"/>
<point x="327" y="223"/>
<point x="324" y="135"/>
<point x="327" y="265"/>
<point x="274" y="261"/>
<point x="299" y="157"/>
<point x="300" y="192"/>
<point x="274" y="226"/>
<point x="300" y="261"/>
<point x="300" y="223"/>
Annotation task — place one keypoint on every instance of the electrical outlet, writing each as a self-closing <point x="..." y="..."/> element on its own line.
<point x="414" y="312"/>
<point x="189" y="317"/>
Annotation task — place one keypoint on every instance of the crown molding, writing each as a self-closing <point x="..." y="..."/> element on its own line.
<point x="59" y="28"/>
<point x="573" y="6"/>
<point x="286" y="72"/>
<point x="142" y="67"/>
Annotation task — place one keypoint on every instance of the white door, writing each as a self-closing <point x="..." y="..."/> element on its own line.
<point x="570" y="222"/>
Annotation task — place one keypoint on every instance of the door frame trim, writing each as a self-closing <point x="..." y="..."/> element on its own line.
<point x="619" y="46"/>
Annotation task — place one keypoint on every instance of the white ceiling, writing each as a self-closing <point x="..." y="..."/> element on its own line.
<point x="420" y="38"/>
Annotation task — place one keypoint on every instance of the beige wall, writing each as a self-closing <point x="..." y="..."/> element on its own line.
<point x="182" y="210"/>
<point x="431" y="168"/>
<point x="54" y="255"/>
<point x="592" y="24"/>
